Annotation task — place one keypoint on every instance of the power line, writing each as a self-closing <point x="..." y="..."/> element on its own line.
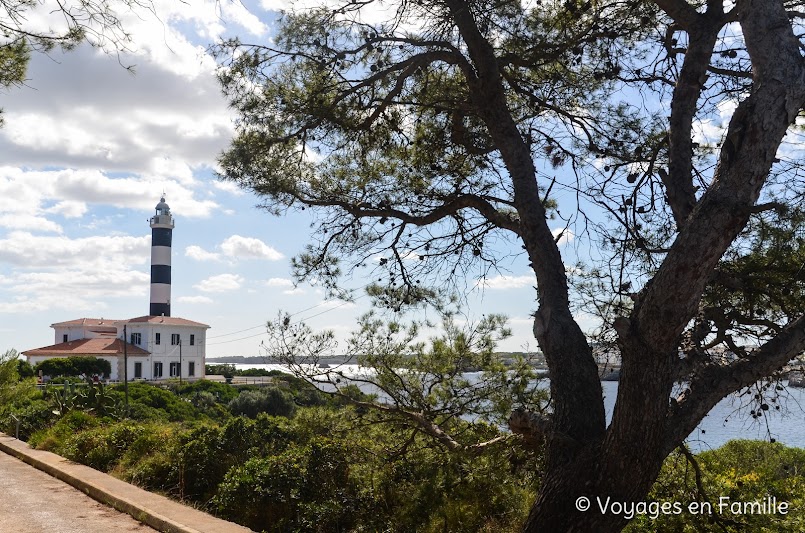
<point x="236" y="332"/>
<point x="342" y="304"/>
<point x="263" y="325"/>
<point x="235" y="340"/>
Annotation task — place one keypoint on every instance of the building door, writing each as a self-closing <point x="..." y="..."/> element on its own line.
<point x="157" y="370"/>
<point x="138" y="370"/>
<point x="174" y="369"/>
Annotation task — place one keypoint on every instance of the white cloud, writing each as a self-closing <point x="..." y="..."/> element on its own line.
<point x="58" y="273"/>
<point x="237" y="247"/>
<point x="587" y="322"/>
<point x="370" y="13"/>
<point x="200" y="254"/>
<point x="294" y="291"/>
<point x="220" y="283"/>
<point x="711" y="130"/>
<point x="30" y="192"/>
<point x="279" y="282"/>
<point x="68" y="209"/>
<point x="99" y="253"/>
<point x="153" y="123"/>
<point x="247" y="247"/>
<point x="228" y="186"/>
<point x="237" y="12"/>
<point x="501" y="282"/>
<point x="29" y="222"/>
<point x="168" y="168"/>
<point x="566" y="235"/>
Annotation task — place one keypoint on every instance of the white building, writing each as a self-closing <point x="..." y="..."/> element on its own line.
<point x="159" y="346"/>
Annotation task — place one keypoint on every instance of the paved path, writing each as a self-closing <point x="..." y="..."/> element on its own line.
<point x="157" y="511"/>
<point x="34" y="502"/>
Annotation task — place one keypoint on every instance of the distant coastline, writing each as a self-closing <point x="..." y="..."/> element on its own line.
<point x="537" y="360"/>
<point x="257" y="360"/>
<point x="607" y="372"/>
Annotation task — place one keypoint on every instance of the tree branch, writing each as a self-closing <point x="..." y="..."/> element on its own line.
<point x="447" y="209"/>
<point x="714" y="382"/>
<point x="678" y="180"/>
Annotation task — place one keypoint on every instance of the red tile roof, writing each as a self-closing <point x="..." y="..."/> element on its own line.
<point x="169" y="320"/>
<point x="103" y="322"/>
<point x="104" y="345"/>
<point x="100" y="324"/>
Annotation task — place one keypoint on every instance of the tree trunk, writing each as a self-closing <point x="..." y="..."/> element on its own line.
<point x="609" y="476"/>
<point x="573" y="495"/>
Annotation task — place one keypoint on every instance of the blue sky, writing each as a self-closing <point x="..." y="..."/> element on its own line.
<point x="87" y="150"/>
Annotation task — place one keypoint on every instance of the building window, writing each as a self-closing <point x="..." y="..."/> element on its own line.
<point x="175" y="339"/>
<point x="136" y="338"/>
<point x="64" y="338"/>
<point x="174" y="369"/>
<point x="157" y="370"/>
<point x="191" y="368"/>
<point x="138" y="370"/>
<point x="192" y="340"/>
<point x="158" y="338"/>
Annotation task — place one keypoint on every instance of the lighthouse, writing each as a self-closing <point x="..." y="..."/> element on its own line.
<point x="161" y="235"/>
<point x="156" y="346"/>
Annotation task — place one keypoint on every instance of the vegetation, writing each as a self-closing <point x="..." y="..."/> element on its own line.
<point x="274" y="402"/>
<point x="14" y="58"/>
<point x="436" y="140"/>
<point x="332" y="465"/>
<point x="741" y="471"/>
<point x="18" y="396"/>
<point x="229" y="370"/>
<point x="299" y="460"/>
<point x="74" y="366"/>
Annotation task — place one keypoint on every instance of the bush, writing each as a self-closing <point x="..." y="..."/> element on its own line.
<point x="150" y="402"/>
<point x="226" y="370"/>
<point x="33" y="417"/>
<point x="53" y="438"/>
<point x="24" y="369"/>
<point x="102" y="448"/>
<point x="306" y="488"/>
<point x="270" y="400"/>
<point x="222" y="392"/>
<point x="15" y="388"/>
<point x="74" y="366"/>
<point x="741" y="470"/>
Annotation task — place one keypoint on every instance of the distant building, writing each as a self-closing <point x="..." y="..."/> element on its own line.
<point x="157" y="346"/>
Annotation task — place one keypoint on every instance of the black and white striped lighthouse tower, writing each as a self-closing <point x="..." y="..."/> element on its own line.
<point x="161" y="235"/>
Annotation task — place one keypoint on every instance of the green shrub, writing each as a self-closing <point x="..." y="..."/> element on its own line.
<point x="24" y="369"/>
<point x="269" y="400"/>
<point x="151" y="402"/>
<point x="15" y="389"/>
<point x="740" y="470"/>
<point x="222" y="392"/>
<point x="202" y="462"/>
<point x="74" y="366"/>
<point x="150" y="461"/>
<point x="53" y="438"/>
<point x="102" y="448"/>
<point x="154" y="472"/>
<point x="306" y="488"/>
<point x="34" y="416"/>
